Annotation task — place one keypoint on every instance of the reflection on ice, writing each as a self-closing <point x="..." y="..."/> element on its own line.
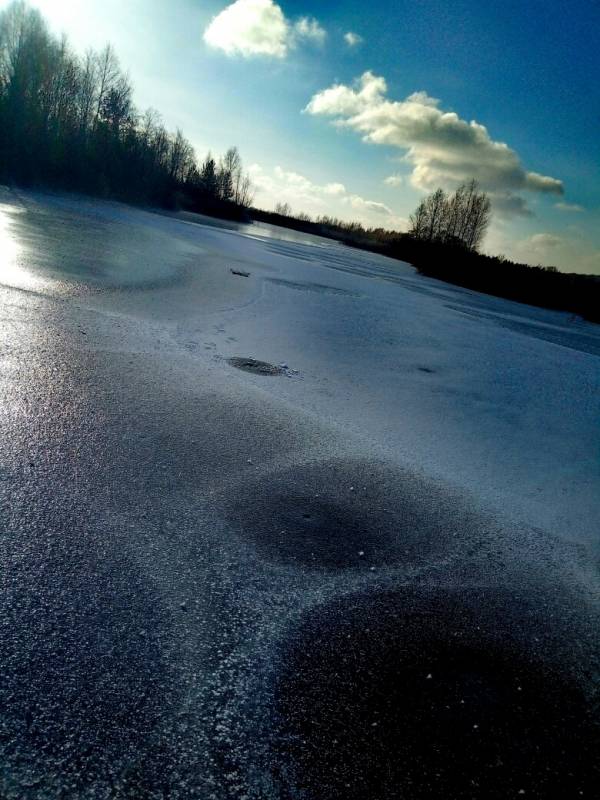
<point x="77" y="246"/>
<point x="12" y="271"/>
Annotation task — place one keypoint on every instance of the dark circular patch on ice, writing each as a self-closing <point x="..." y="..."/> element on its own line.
<point x="429" y="694"/>
<point x="254" y="366"/>
<point x="348" y="515"/>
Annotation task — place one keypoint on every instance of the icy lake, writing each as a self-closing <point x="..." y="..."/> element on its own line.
<point x="184" y="540"/>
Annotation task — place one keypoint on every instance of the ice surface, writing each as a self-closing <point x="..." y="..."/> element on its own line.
<point x="145" y="479"/>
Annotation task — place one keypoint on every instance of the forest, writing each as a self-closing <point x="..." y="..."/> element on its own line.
<point x="69" y="122"/>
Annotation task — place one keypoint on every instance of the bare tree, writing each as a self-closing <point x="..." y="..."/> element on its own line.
<point x="479" y="219"/>
<point x="116" y="108"/>
<point x="224" y="181"/>
<point x="436" y="209"/>
<point x="419" y="224"/>
<point x="462" y="217"/>
<point x="108" y="74"/>
<point x="455" y="213"/>
<point x="245" y="192"/>
<point x="232" y="166"/>
<point x="87" y="87"/>
<point x="234" y="184"/>
<point x="181" y="157"/>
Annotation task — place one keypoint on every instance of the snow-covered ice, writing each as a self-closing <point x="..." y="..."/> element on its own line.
<point x="470" y="423"/>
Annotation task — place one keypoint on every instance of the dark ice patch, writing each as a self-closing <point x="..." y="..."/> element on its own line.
<point x="349" y="515"/>
<point x="430" y="694"/>
<point x="254" y="366"/>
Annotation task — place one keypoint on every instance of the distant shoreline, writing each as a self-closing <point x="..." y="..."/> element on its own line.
<point x="544" y="287"/>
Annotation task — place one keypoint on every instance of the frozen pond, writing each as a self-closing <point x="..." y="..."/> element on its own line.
<point x="191" y="540"/>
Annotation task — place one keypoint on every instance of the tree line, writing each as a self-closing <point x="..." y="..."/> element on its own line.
<point x="70" y="122"/>
<point x="460" y="218"/>
<point x="453" y="260"/>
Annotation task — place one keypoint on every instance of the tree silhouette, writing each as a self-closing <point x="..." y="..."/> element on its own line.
<point x="460" y="218"/>
<point x="208" y="176"/>
<point x="283" y="209"/>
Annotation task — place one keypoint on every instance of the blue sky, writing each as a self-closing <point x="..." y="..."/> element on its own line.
<point x="421" y="94"/>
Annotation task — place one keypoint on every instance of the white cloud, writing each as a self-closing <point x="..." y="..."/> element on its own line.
<point x="352" y="39"/>
<point x="569" y="207"/>
<point x="309" y="28"/>
<point x="331" y="199"/>
<point x="394" y="180"/>
<point x="443" y="149"/>
<point x="250" y="27"/>
<point x="360" y="204"/>
<point x="304" y="188"/>
<point x="259" y="28"/>
<point x="334" y="188"/>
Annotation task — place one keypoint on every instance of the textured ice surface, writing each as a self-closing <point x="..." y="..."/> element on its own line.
<point x="194" y="557"/>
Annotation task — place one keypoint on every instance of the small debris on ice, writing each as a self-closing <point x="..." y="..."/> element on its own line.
<point x="248" y="461"/>
<point x="240" y="272"/>
<point x="352" y="488"/>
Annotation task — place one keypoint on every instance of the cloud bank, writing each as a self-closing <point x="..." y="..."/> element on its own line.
<point x="443" y="149"/>
<point x="331" y="199"/>
<point x="250" y="28"/>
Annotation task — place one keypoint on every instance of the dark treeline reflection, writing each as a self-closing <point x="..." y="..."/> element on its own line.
<point x="69" y="122"/>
